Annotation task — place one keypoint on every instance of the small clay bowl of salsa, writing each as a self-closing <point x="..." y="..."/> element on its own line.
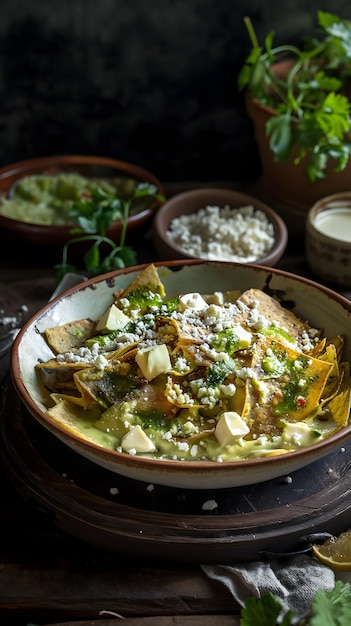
<point x="36" y="196"/>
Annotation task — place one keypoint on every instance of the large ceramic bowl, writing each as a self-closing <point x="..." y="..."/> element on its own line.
<point x="320" y="306"/>
<point x="248" y="240"/>
<point x="48" y="235"/>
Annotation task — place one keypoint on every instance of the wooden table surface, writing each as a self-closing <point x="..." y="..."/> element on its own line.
<point x="49" y="577"/>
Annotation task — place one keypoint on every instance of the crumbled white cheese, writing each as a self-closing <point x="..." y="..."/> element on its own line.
<point x="192" y="301"/>
<point x="226" y="234"/>
<point x="209" y="505"/>
<point x="299" y="434"/>
<point x="12" y="320"/>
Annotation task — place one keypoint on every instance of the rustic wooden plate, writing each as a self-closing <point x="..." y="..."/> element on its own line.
<point x="130" y="517"/>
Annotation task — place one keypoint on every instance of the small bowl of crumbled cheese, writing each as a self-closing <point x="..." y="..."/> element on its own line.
<point x="219" y="224"/>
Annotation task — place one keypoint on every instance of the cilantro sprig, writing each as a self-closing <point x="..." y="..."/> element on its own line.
<point x="311" y="102"/>
<point x="329" y="608"/>
<point x="94" y="216"/>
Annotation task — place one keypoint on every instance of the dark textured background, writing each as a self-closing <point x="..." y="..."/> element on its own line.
<point x="152" y="82"/>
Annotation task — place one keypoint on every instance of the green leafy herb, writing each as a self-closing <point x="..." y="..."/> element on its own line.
<point x="275" y="331"/>
<point x="329" y="608"/>
<point x="219" y="371"/>
<point x="227" y="341"/>
<point x="143" y="299"/>
<point x="311" y="102"/>
<point x="156" y="419"/>
<point x="263" y="611"/>
<point x="94" y="215"/>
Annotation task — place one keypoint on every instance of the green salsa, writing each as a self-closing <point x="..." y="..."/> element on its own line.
<point x="48" y="199"/>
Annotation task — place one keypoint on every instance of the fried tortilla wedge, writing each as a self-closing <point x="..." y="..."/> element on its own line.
<point x="52" y="364"/>
<point x="222" y="297"/>
<point x="187" y="333"/>
<point x="57" y="379"/>
<point x="333" y="382"/>
<point x="288" y="387"/>
<point x="340" y="405"/>
<point x="59" y="397"/>
<point x="147" y="278"/>
<point x="81" y="422"/>
<point x="272" y="310"/>
<point x="106" y="386"/>
<point x="148" y="400"/>
<point x="70" y="335"/>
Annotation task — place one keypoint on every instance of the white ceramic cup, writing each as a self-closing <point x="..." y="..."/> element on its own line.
<point x="328" y="239"/>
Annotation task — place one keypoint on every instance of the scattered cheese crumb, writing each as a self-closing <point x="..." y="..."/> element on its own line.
<point x="209" y="505"/>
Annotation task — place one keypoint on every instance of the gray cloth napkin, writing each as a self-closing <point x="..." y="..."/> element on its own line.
<point x="294" y="580"/>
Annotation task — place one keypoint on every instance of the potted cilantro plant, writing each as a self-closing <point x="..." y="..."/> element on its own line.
<point x="298" y="100"/>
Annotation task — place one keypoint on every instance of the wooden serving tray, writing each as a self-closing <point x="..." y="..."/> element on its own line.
<point x="128" y="517"/>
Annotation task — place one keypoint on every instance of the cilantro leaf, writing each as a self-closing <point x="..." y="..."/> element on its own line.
<point x="219" y="371"/>
<point x="329" y="608"/>
<point x="311" y="110"/>
<point x="264" y="611"/>
<point x="332" y="608"/>
<point x="94" y="216"/>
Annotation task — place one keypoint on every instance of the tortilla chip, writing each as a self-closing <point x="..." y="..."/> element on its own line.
<point x="280" y="396"/>
<point x="57" y="379"/>
<point x="59" y="397"/>
<point x="52" y="364"/>
<point x="222" y="297"/>
<point x="148" y="399"/>
<point x="106" y="386"/>
<point x="273" y="311"/>
<point x="340" y="404"/>
<point x="187" y="333"/>
<point x="338" y="342"/>
<point x="81" y="422"/>
<point x="147" y="278"/>
<point x="332" y="384"/>
<point x="70" y="335"/>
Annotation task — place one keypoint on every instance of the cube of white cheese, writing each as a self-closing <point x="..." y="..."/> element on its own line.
<point x="137" y="440"/>
<point x="193" y="301"/>
<point x="112" y="319"/>
<point x="230" y="428"/>
<point x="243" y="336"/>
<point x="153" y="360"/>
<point x="299" y="434"/>
<point x="213" y="311"/>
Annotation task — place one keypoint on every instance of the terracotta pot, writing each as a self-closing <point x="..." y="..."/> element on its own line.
<point x="287" y="182"/>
